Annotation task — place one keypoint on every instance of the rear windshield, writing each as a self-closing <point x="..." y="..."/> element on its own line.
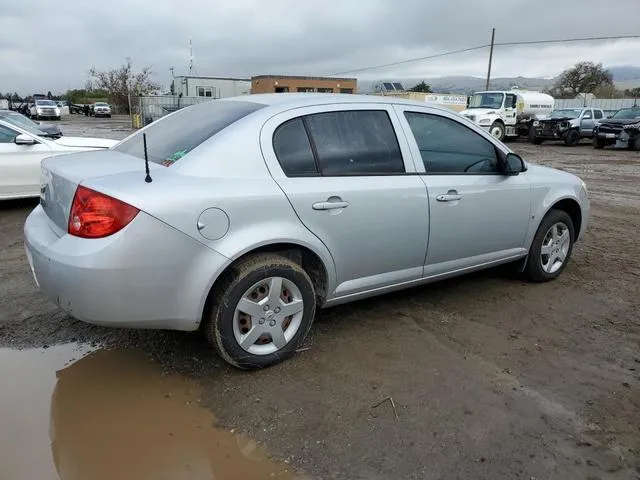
<point x="173" y="137"/>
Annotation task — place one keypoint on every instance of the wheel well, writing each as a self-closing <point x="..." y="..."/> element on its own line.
<point x="573" y="209"/>
<point x="305" y="257"/>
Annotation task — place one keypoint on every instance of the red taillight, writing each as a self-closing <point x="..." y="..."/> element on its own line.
<point x="95" y="215"/>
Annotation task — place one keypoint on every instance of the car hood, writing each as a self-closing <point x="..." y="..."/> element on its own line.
<point x="86" y="142"/>
<point x="619" y="121"/>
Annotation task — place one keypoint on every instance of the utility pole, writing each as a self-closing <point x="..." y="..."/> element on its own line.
<point x="493" y="36"/>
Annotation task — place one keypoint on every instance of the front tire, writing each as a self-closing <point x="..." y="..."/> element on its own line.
<point x="497" y="130"/>
<point x="551" y="247"/>
<point x="261" y="312"/>
<point x="572" y="138"/>
<point x="598" y="143"/>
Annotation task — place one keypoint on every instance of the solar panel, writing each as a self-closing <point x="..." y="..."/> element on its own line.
<point x="398" y="86"/>
<point x="388" y="86"/>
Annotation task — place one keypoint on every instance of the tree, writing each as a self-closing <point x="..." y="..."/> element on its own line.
<point x="583" y="77"/>
<point x="121" y="82"/>
<point x="632" y="92"/>
<point x="421" y="87"/>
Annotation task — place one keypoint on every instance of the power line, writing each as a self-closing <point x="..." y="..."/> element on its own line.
<point x="479" y="47"/>
<point x="567" y="40"/>
<point x="443" y="54"/>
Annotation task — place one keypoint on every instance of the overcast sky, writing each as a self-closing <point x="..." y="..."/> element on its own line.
<point x="50" y="45"/>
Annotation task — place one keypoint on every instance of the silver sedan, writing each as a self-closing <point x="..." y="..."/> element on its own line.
<point x="259" y="209"/>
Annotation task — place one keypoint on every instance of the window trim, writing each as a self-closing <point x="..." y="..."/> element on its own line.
<point x="314" y="149"/>
<point x="500" y="155"/>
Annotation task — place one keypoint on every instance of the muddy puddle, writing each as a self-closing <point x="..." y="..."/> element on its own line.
<point x="70" y="414"/>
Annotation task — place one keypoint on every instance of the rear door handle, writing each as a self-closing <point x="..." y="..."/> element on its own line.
<point x="330" y="205"/>
<point x="450" y="196"/>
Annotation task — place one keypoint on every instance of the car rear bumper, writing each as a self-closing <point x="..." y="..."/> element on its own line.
<point x="148" y="275"/>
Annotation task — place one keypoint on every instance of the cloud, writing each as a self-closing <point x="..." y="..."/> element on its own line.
<point x="44" y="48"/>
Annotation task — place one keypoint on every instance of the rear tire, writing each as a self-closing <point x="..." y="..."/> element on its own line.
<point x="231" y="328"/>
<point x="598" y="143"/>
<point x="572" y="138"/>
<point x="550" y="252"/>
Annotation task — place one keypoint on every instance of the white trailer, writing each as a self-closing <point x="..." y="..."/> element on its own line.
<point x="508" y="113"/>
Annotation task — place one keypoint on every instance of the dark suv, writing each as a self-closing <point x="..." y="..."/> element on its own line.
<point x="621" y="130"/>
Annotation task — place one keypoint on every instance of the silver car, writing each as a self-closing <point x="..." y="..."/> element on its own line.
<point x="259" y="209"/>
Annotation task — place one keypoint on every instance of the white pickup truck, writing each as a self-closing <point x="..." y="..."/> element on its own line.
<point x="508" y="113"/>
<point x="43" y="109"/>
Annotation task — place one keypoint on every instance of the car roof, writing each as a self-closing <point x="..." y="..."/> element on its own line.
<point x="287" y="101"/>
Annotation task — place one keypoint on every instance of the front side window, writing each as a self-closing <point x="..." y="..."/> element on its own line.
<point x="7" y="135"/>
<point x="448" y="147"/>
<point x="359" y="142"/>
<point x="587" y="115"/>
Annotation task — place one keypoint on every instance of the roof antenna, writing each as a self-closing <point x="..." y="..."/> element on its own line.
<point x="146" y="159"/>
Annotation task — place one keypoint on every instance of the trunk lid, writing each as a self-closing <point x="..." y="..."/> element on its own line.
<point x="61" y="175"/>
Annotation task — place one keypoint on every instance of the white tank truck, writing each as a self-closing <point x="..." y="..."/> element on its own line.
<point x="508" y="114"/>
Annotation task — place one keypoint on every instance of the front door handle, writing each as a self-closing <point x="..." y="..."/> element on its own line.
<point x="330" y="205"/>
<point x="450" y="196"/>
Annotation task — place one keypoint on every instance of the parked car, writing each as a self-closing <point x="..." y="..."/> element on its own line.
<point x="566" y="124"/>
<point x="621" y="130"/>
<point x="48" y="130"/>
<point x="257" y="211"/>
<point x="101" y="109"/>
<point x="42" y="108"/>
<point x="23" y="147"/>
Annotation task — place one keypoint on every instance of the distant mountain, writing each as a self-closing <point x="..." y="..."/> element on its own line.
<point x="625" y="73"/>
<point x="623" y="76"/>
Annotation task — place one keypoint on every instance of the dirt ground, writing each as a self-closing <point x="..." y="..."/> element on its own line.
<point x="491" y="377"/>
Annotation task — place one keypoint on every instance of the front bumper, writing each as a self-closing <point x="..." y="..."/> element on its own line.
<point x="148" y="275"/>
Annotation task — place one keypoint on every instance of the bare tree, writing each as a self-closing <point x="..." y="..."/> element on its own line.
<point x="583" y="77"/>
<point x="122" y="82"/>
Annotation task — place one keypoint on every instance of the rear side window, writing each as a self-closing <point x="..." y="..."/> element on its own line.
<point x="448" y="147"/>
<point x="175" y="136"/>
<point x="597" y="113"/>
<point x="359" y="142"/>
<point x="293" y="149"/>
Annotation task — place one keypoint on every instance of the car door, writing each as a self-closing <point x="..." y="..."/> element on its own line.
<point x="19" y="165"/>
<point x="353" y="184"/>
<point x="477" y="214"/>
<point x="586" y="123"/>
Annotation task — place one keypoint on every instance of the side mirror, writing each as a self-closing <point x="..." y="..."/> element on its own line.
<point x="23" y="139"/>
<point x="514" y="165"/>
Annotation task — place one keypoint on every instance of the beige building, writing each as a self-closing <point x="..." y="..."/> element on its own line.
<point x="286" y="83"/>
<point x="453" y="102"/>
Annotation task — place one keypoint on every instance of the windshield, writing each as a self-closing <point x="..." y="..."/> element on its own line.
<point x="486" y="100"/>
<point x="101" y="104"/>
<point x="627" y="113"/>
<point x="23" y="122"/>
<point x="565" y="113"/>
<point x="173" y="137"/>
<point x="46" y="103"/>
